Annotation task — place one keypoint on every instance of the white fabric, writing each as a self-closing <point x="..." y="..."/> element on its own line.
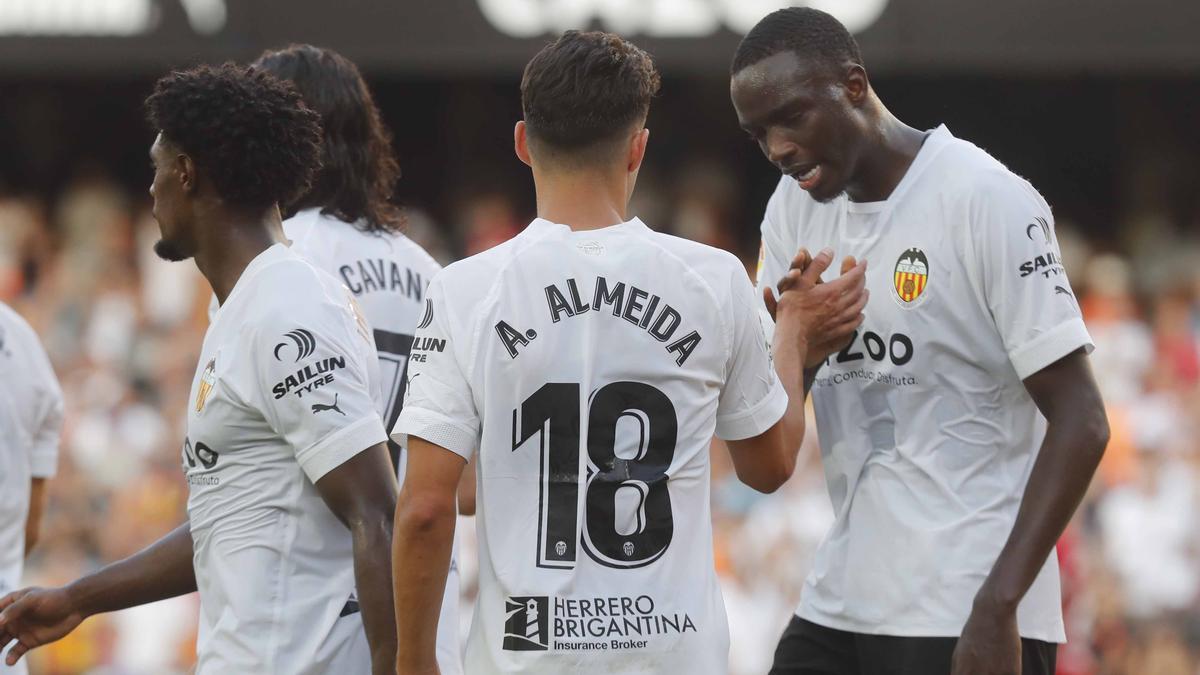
<point x="286" y="390"/>
<point x="31" y="412"/>
<point x="388" y="275"/>
<point x="927" y="432"/>
<point x="597" y="544"/>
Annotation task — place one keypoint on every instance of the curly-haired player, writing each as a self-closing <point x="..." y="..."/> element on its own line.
<point x="347" y="225"/>
<point x="291" y="493"/>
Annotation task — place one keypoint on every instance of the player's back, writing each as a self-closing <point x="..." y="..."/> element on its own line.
<point x="599" y="365"/>
<point x="387" y="273"/>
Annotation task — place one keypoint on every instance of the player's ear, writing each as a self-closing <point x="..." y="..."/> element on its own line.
<point x="521" y="143"/>
<point x="185" y="169"/>
<point x="856" y="84"/>
<point x="637" y="150"/>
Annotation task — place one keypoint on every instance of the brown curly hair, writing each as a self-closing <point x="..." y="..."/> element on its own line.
<point x="248" y="131"/>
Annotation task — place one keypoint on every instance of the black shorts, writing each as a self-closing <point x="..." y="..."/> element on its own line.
<point x="809" y="649"/>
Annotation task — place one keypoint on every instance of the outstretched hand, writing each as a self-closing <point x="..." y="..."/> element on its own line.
<point x="32" y="617"/>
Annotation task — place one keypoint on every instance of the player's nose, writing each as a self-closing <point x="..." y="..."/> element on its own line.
<point x="779" y="149"/>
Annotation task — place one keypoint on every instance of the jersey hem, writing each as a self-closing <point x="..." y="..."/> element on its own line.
<point x="910" y="630"/>
<point x="757" y="419"/>
<point x="341" y="445"/>
<point x="435" y="428"/>
<point x="1050" y="346"/>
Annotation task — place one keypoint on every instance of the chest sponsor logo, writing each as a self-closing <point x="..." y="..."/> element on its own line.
<point x="300" y="340"/>
<point x="910" y="278"/>
<point x="198" y="459"/>
<point x="616" y="623"/>
<point x="208" y="379"/>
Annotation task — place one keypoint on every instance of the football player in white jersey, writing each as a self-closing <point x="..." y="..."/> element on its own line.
<point x="587" y="363"/>
<point x="961" y="426"/>
<point x="346" y="225"/>
<point x="31" y="412"/>
<point x="291" y="490"/>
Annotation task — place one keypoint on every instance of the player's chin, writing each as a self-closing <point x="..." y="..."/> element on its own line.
<point x="827" y="189"/>
<point x="170" y="250"/>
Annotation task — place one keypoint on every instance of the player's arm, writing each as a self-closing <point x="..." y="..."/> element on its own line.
<point x="1038" y="319"/>
<point x="1076" y="434"/>
<point x="807" y="311"/>
<point x="466" y="490"/>
<point x="44" y="438"/>
<point x="441" y="426"/>
<point x="362" y="494"/>
<point x="33" y="521"/>
<point x="422" y="545"/>
<point x="36" y="616"/>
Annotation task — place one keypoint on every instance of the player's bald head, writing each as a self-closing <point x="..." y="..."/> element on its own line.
<point x="581" y="93"/>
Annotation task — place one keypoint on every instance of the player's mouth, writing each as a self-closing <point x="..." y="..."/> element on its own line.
<point x="808" y="176"/>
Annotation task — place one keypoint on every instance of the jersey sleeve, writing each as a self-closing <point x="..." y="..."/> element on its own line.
<point x="774" y="253"/>
<point x="438" y="404"/>
<point x="48" y="415"/>
<point x="1021" y="274"/>
<point x="753" y="398"/>
<point x="315" y="386"/>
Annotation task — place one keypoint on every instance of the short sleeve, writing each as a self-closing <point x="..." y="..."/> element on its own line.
<point x="753" y="398"/>
<point x="314" y="366"/>
<point x="48" y="416"/>
<point x="438" y="406"/>
<point x="1021" y="274"/>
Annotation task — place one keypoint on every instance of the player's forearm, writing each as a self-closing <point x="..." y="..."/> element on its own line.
<point x="373" y="577"/>
<point x="421" y="560"/>
<point x="789" y="352"/>
<point x="160" y="571"/>
<point x="33" y="522"/>
<point x="1070" y="453"/>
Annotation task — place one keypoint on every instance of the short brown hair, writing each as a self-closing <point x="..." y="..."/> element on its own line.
<point x="584" y="89"/>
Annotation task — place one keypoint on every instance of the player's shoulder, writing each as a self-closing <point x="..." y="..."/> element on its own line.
<point x="290" y="286"/>
<point x="14" y="328"/>
<point x="412" y="254"/>
<point x="320" y="236"/>
<point x="481" y="267"/>
<point x="708" y="261"/>
<point x="971" y="173"/>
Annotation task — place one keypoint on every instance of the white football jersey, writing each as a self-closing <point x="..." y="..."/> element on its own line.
<point x="388" y="275"/>
<point x="31" y="412"/>
<point x="286" y="390"/>
<point x="590" y="369"/>
<point x="927" y="433"/>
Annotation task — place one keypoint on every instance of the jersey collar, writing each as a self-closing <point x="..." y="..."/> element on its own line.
<point x="541" y="226"/>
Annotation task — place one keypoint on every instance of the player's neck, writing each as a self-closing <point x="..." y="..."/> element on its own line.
<point x="883" y="165"/>
<point x="231" y="242"/>
<point x="582" y="200"/>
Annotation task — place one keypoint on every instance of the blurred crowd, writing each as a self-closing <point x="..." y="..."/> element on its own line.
<point x="123" y="329"/>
